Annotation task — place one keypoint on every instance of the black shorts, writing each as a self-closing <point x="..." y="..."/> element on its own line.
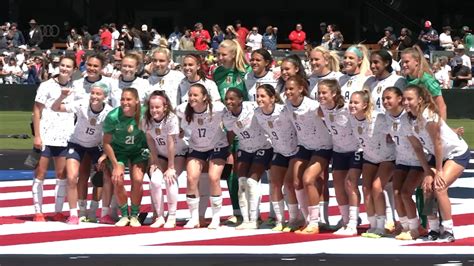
<point x="407" y="168"/>
<point x="303" y="153"/>
<point x="77" y="152"/>
<point x="262" y="157"/>
<point x="462" y="160"/>
<point x="280" y="160"/>
<point x="216" y="153"/>
<point x="54" y="151"/>
<point x="347" y="160"/>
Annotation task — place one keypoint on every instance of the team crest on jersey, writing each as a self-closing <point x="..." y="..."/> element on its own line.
<point x="360" y="130"/>
<point x="238" y="80"/>
<point x="270" y="124"/>
<point x="258" y="84"/>
<point x="93" y="121"/>
<point x="130" y="129"/>
<point x="200" y="121"/>
<point x="379" y="89"/>
<point x="349" y="83"/>
<point x="395" y="126"/>
<point x="158" y="131"/>
<point x="239" y="124"/>
<point x="331" y="117"/>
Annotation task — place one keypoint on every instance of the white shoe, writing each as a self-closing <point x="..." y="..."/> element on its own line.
<point x="348" y="231"/>
<point x="215" y="223"/>
<point x="247" y="225"/>
<point x="134" y="222"/>
<point x="159" y="222"/>
<point x="191" y="224"/>
<point x="170" y="223"/>
<point x="124" y="221"/>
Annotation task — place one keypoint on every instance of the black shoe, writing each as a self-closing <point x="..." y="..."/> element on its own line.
<point x="447" y="237"/>
<point x="142" y="216"/>
<point x="432" y="236"/>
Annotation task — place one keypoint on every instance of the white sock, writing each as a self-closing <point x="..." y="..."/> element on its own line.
<point x="216" y="206"/>
<point x="293" y="212"/>
<point x="73" y="212"/>
<point x="94" y="205"/>
<point x="193" y="205"/>
<point x="433" y="224"/>
<point x="105" y="211"/>
<point x="60" y="194"/>
<point x="303" y="202"/>
<point x="389" y="202"/>
<point x="344" y="210"/>
<point x="37" y="190"/>
<point x="156" y="191"/>
<point x="404" y="222"/>
<point x="253" y="196"/>
<point x="313" y="213"/>
<point x="82" y="204"/>
<point x="413" y="224"/>
<point x="279" y="208"/>
<point x="448" y="225"/>
<point x="172" y="192"/>
<point x="381" y="219"/>
<point x="353" y="216"/>
<point x="271" y="214"/>
<point x="204" y="191"/>
<point x="372" y="221"/>
<point x="243" y="199"/>
<point x="324" y="212"/>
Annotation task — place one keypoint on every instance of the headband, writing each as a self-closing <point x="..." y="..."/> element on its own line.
<point x="354" y="49"/>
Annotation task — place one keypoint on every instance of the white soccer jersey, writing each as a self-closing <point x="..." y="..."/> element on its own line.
<point x="119" y="84"/>
<point x="251" y="135"/>
<point x="206" y="131"/>
<point x="83" y="85"/>
<point x="376" y="88"/>
<point x="339" y="126"/>
<point x="160" y="131"/>
<point x="399" y="128"/>
<point x="453" y="145"/>
<point x="372" y="137"/>
<point x="252" y="82"/>
<point x="185" y="84"/>
<point x="88" y="129"/>
<point x="311" y="132"/>
<point x="280" y="129"/>
<point x="314" y="81"/>
<point x="55" y="127"/>
<point x="168" y="83"/>
<point x="350" y="84"/>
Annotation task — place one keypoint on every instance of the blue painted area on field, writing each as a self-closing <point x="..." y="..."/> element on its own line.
<point x="14" y="175"/>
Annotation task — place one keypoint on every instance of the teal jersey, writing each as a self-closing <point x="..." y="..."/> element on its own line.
<point x="427" y="81"/>
<point x="230" y="78"/>
<point x="127" y="137"/>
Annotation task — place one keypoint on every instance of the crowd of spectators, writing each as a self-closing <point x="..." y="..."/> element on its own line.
<point x="23" y="62"/>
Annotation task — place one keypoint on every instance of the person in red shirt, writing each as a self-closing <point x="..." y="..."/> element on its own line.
<point x="201" y="37"/>
<point x="242" y="33"/>
<point x="298" y="38"/>
<point x="105" y="38"/>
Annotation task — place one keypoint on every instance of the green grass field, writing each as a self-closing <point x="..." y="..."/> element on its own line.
<point x="19" y="123"/>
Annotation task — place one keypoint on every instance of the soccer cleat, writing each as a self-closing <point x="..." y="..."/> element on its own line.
<point x="309" y="230"/>
<point x="92" y="217"/>
<point x="159" y="222"/>
<point x="59" y="217"/>
<point x="432" y="236"/>
<point x="278" y="227"/>
<point x="408" y="235"/>
<point x="124" y="221"/>
<point x="83" y="219"/>
<point x="233" y="220"/>
<point x="73" y="220"/>
<point x="215" y="223"/>
<point x="39" y="217"/>
<point x="268" y="224"/>
<point x="389" y="227"/>
<point x="247" y="225"/>
<point x="372" y="233"/>
<point x="134" y="221"/>
<point x="191" y="224"/>
<point x="446" y="237"/>
<point x="107" y="219"/>
<point x="346" y="231"/>
<point x="293" y="226"/>
<point x="170" y="223"/>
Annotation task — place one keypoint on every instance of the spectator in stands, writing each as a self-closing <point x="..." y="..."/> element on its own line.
<point x="13" y="72"/>
<point x="137" y="41"/>
<point x="230" y="33"/>
<point x="217" y="37"/>
<point x="445" y="40"/>
<point x="242" y="33"/>
<point x="428" y="38"/>
<point x="126" y="37"/>
<point x="269" y="38"/>
<point x="441" y="76"/>
<point x="200" y="37"/>
<point x="186" y="42"/>
<point x="21" y="54"/>
<point x="468" y="38"/>
<point x="174" y="38"/>
<point x="35" y="36"/>
<point x="460" y="74"/>
<point x="53" y="68"/>
<point x="86" y="38"/>
<point x="387" y="40"/>
<point x="297" y="38"/>
<point x="155" y="42"/>
<point x="405" y="40"/>
<point x="115" y="35"/>
<point x="105" y="38"/>
<point x="145" y="37"/>
<point x="16" y="36"/>
<point x="323" y="29"/>
<point x="254" y="39"/>
<point x="72" y="39"/>
<point x="334" y="38"/>
<point x="459" y="51"/>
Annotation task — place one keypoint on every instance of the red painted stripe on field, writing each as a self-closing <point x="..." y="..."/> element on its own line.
<point x="45" y="187"/>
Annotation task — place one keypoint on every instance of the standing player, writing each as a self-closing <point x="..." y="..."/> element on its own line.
<point x="253" y="156"/>
<point x="52" y="131"/>
<point x="124" y="144"/>
<point x="324" y="65"/>
<point x="451" y="156"/>
<point x="86" y="138"/>
<point x="290" y="66"/>
<point x="208" y="145"/>
<point x="314" y="152"/>
<point x="260" y="61"/>
<point x="168" y="153"/>
<point x="357" y="68"/>
<point x="274" y="118"/>
<point x="346" y="156"/>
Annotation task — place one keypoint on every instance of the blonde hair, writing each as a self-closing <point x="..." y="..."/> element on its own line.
<point x="162" y="50"/>
<point x="363" y="53"/>
<point x="135" y="56"/>
<point x="367" y="99"/>
<point x="417" y="54"/>
<point x="329" y="56"/>
<point x="240" y="63"/>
